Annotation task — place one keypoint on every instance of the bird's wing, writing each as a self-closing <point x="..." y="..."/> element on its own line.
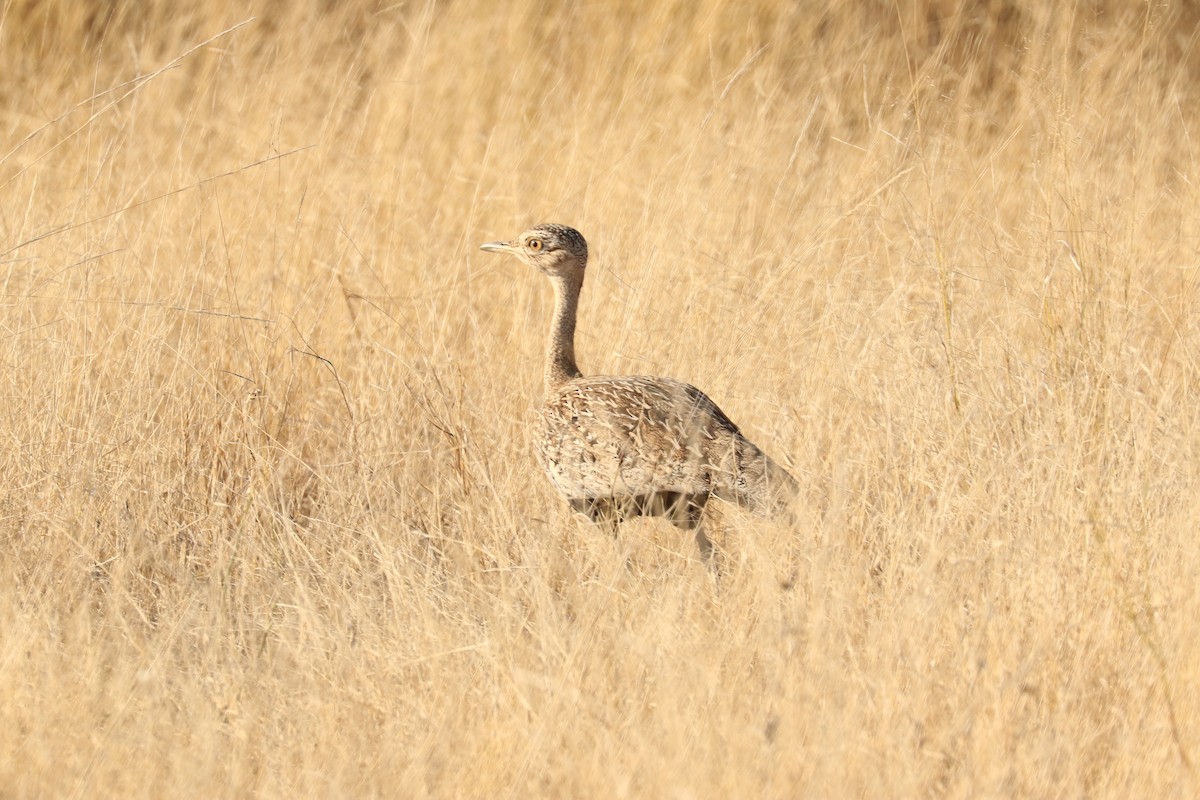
<point x="612" y="436"/>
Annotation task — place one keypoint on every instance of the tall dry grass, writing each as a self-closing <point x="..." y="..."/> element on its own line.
<point x="270" y="525"/>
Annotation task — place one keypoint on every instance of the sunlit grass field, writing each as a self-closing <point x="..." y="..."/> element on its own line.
<point x="270" y="524"/>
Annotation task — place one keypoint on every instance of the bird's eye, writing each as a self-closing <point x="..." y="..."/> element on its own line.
<point x="535" y="244"/>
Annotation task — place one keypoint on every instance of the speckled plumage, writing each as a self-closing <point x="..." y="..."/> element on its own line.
<point x="628" y="445"/>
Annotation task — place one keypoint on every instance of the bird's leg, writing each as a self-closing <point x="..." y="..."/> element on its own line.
<point x="601" y="511"/>
<point x="609" y="523"/>
<point x="686" y="511"/>
<point x="704" y="543"/>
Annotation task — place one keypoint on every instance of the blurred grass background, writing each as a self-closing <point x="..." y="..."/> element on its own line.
<point x="271" y="525"/>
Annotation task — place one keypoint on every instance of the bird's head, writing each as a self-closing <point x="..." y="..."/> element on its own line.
<point x="554" y="250"/>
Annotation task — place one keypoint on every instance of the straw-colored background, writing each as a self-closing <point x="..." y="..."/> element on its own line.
<point x="270" y="525"/>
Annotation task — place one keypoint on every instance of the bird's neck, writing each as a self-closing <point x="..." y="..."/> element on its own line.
<point x="560" y="349"/>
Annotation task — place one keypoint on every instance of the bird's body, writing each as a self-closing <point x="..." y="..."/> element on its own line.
<point x="630" y="445"/>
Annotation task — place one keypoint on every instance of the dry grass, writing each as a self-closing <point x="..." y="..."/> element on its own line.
<point x="271" y="526"/>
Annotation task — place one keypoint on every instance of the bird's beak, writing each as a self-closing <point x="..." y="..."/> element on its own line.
<point x="497" y="247"/>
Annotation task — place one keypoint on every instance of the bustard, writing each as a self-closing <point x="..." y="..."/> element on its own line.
<point x="623" y="446"/>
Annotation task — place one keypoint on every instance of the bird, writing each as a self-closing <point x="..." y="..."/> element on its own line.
<point x="621" y="446"/>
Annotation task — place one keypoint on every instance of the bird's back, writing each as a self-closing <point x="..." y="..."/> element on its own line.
<point x="614" y="436"/>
